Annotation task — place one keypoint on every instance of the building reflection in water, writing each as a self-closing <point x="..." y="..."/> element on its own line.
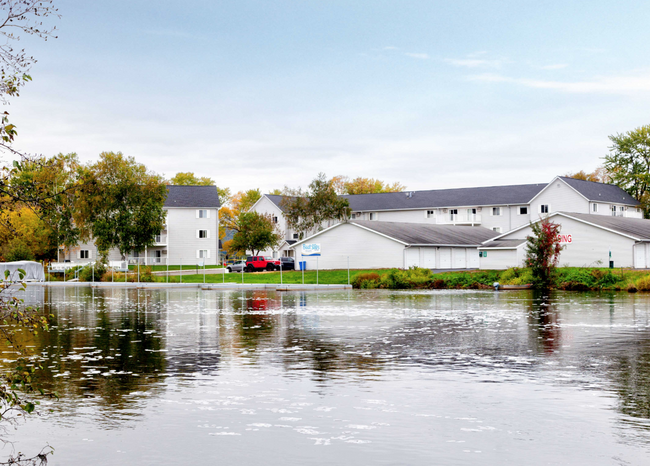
<point x="117" y="345"/>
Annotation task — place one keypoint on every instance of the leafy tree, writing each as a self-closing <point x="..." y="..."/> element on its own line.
<point x="310" y="210"/>
<point x="189" y="179"/>
<point x="543" y="252"/>
<point x="276" y="192"/>
<point x="121" y="202"/>
<point x="236" y="205"/>
<point x="360" y="185"/>
<point x="628" y="163"/>
<point x="599" y="175"/>
<point x="255" y="232"/>
<point x="47" y="187"/>
<point x="23" y="230"/>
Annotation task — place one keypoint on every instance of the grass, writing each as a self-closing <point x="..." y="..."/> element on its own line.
<point x="325" y="277"/>
<point x="163" y="268"/>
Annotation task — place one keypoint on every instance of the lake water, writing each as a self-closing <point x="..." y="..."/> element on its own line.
<point x="343" y="377"/>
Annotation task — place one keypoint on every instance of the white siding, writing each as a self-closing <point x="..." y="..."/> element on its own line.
<point x="560" y="197"/>
<point x="589" y="247"/>
<point x="182" y="242"/>
<point x="363" y="248"/>
<point x="499" y="259"/>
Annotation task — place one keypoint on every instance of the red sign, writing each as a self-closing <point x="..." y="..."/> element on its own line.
<point x="565" y="238"/>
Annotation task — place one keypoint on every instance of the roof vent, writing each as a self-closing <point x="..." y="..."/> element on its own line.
<point x="409" y="194"/>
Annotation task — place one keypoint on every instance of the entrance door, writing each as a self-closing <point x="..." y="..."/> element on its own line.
<point x="412" y="257"/>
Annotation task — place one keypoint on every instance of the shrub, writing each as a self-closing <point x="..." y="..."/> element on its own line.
<point x="643" y="283"/>
<point x="414" y="277"/>
<point x="87" y="273"/>
<point x="365" y="280"/>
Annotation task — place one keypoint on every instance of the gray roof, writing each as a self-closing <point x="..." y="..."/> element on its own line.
<point x="192" y="196"/>
<point x="489" y="195"/>
<point x="635" y="227"/>
<point x="276" y="199"/>
<point x="503" y="243"/>
<point x="424" y="234"/>
<point x="600" y="192"/>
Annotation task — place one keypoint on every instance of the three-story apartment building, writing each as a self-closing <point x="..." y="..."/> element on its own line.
<point x="190" y="235"/>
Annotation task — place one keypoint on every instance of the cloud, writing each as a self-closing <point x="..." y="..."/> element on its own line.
<point x="606" y="85"/>
<point x="474" y="62"/>
<point x="419" y="56"/>
<point x="390" y="47"/>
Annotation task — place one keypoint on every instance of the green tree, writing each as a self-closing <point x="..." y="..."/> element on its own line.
<point x="121" y="204"/>
<point x="628" y="163"/>
<point x="255" y="232"/>
<point x="343" y="185"/>
<point x="543" y="252"/>
<point x="309" y="211"/>
<point x="189" y="179"/>
<point x="236" y="205"/>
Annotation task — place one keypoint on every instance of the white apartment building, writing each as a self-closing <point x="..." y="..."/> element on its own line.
<point x="190" y="235"/>
<point x="499" y="209"/>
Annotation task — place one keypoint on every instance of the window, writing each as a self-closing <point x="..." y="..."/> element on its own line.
<point x="430" y="213"/>
<point x="614" y="210"/>
<point x="157" y="239"/>
<point x="523" y="210"/>
<point x="496" y="229"/>
<point x="157" y="258"/>
<point x="543" y="209"/>
<point x="372" y="216"/>
<point x="295" y="236"/>
<point x="354" y="216"/>
<point x="275" y="219"/>
<point x="496" y="211"/>
<point x="453" y="214"/>
<point x="203" y="213"/>
<point x="594" y="207"/>
<point x="84" y="254"/>
<point x="203" y="234"/>
<point x="203" y="254"/>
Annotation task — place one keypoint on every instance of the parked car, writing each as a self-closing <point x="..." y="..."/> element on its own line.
<point x="288" y="263"/>
<point x="257" y="263"/>
<point x="236" y="267"/>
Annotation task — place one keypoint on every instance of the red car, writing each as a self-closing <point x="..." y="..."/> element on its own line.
<point x="257" y="263"/>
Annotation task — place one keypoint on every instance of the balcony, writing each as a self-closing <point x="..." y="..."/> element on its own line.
<point x="160" y="240"/>
<point x="459" y="217"/>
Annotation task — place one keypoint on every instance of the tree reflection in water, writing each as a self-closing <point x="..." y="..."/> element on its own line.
<point x="114" y="346"/>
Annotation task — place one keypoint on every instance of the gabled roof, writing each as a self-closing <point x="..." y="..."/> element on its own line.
<point x="600" y="192"/>
<point x="638" y="228"/>
<point x="482" y="196"/>
<point x="192" y="196"/>
<point x="417" y="234"/>
<point x="635" y="228"/>
<point x="276" y="199"/>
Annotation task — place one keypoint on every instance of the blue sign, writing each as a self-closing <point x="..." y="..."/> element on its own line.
<point x="311" y="249"/>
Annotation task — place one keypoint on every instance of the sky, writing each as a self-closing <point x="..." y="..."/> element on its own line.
<point x="263" y="94"/>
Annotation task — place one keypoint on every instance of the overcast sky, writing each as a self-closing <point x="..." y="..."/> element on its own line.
<point x="433" y="94"/>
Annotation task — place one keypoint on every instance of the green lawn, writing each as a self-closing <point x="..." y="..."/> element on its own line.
<point x="163" y="268"/>
<point x="325" y="277"/>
